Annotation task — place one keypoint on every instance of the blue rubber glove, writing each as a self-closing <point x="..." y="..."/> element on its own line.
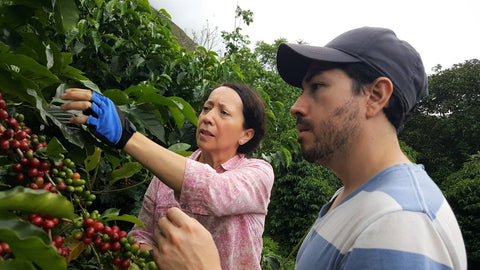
<point x="107" y="122"/>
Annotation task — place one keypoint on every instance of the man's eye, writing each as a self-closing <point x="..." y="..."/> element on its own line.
<point x="314" y="87"/>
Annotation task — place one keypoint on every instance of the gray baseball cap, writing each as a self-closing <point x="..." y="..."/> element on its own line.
<point x="377" y="47"/>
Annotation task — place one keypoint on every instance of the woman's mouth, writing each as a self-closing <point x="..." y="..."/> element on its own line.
<point x="206" y="133"/>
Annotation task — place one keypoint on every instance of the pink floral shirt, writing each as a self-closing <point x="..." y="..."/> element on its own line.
<point x="231" y="202"/>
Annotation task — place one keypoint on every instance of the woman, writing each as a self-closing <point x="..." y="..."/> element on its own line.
<point x="225" y="191"/>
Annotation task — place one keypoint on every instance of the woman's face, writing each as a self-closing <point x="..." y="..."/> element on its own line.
<point x="220" y="124"/>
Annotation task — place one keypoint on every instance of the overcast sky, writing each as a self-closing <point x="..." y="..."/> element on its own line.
<point x="444" y="32"/>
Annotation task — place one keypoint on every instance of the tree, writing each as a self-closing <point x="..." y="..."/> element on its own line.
<point x="462" y="190"/>
<point x="297" y="198"/>
<point x="267" y="53"/>
<point x="444" y="128"/>
<point x="234" y="40"/>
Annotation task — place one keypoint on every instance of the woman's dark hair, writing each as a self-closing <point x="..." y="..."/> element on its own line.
<point x="253" y="113"/>
<point x="362" y="75"/>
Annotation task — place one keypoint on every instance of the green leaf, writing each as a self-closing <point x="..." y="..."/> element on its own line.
<point x="181" y="76"/>
<point x="91" y="162"/>
<point x="179" y="147"/>
<point x="15" y="264"/>
<point x="186" y="109"/>
<point x="38" y="104"/>
<point x="287" y="155"/>
<point x="140" y="90"/>
<point x="97" y="40"/>
<point x="271" y="115"/>
<point x="38" y="201"/>
<point x="71" y="132"/>
<point x="99" y="3"/>
<point x="29" y="68"/>
<point x="177" y="116"/>
<point x="4" y="47"/>
<point x="118" y="97"/>
<point x="128" y="218"/>
<point x="55" y="149"/>
<point x="147" y="121"/>
<point x="77" y="75"/>
<point x="66" y="15"/>
<point x="126" y="171"/>
<point x="114" y="160"/>
<point x="82" y="27"/>
<point x="110" y="212"/>
<point x="156" y="99"/>
<point x="90" y="85"/>
<point x="15" y="84"/>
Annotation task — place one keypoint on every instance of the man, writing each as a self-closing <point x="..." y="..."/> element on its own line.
<point x="389" y="214"/>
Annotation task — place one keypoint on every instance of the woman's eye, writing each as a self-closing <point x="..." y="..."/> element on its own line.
<point x="316" y="86"/>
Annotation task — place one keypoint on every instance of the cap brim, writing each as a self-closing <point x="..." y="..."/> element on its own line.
<point x="293" y="60"/>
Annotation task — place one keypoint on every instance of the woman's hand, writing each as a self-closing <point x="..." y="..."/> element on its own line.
<point x="107" y="123"/>
<point x="183" y="243"/>
<point x="103" y="118"/>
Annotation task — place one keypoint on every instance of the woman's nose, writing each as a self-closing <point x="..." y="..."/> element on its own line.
<point x="207" y="116"/>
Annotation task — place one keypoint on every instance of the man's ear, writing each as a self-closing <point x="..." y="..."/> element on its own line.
<point x="380" y="92"/>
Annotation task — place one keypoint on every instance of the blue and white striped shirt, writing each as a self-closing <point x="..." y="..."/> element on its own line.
<point x="399" y="219"/>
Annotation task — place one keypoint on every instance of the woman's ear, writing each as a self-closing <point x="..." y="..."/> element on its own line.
<point x="247" y="135"/>
<point x="380" y="92"/>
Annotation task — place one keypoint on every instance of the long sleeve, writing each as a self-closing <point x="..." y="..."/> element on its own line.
<point x="157" y="200"/>
<point x="243" y="188"/>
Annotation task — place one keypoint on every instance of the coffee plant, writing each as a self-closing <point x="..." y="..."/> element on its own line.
<point x="59" y="186"/>
<point x="49" y="201"/>
<point x="55" y="178"/>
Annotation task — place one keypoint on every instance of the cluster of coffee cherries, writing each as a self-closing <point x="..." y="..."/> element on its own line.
<point x="4" y="249"/>
<point x="18" y="141"/>
<point x="104" y="238"/>
<point x="47" y="222"/>
<point x="58" y="243"/>
<point x="70" y="183"/>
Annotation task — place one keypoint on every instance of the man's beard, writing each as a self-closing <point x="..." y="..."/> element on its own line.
<point x="334" y="137"/>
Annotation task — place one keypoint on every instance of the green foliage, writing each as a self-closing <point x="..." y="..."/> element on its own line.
<point x="270" y="258"/>
<point x="446" y="122"/>
<point x="267" y="54"/>
<point x="236" y="41"/>
<point x="409" y="151"/>
<point x="296" y="201"/>
<point x="462" y="190"/>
